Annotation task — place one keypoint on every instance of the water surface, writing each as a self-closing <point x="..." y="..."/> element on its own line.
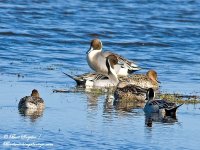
<point x="40" y="39"/>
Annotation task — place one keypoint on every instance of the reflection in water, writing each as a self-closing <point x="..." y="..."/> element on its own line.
<point x="92" y="100"/>
<point x="159" y="117"/>
<point x="128" y="105"/>
<point x="32" y="114"/>
<point x="94" y="94"/>
<point x="108" y="103"/>
<point x="120" y="107"/>
<point x="123" y="107"/>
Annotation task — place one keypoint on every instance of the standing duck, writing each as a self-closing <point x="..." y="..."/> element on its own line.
<point x="96" y="59"/>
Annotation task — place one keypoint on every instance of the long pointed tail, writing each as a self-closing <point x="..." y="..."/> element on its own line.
<point x="79" y="81"/>
<point x="179" y="106"/>
<point x="74" y="78"/>
<point x="172" y="111"/>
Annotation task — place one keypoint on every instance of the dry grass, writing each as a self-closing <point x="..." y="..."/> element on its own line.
<point x="178" y="98"/>
<point x="175" y="97"/>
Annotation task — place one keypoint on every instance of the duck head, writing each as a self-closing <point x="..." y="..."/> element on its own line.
<point x="35" y="93"/>
<point x="111" y="61"/>
<point x="95" y="45"/>
<point x="150" y="94"/>
<point x="152" y="75"/>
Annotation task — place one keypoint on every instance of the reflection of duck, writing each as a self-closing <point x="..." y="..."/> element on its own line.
<point x="92" y="99"/>
<point x="128" y="105"/>
<point x="31" y="113"/>
<point x="98" y="80"/>
<point x="33" y="102"/>
<point x="158" y="117"/>
<point x="159" y="106"/>
<point x="96" y="59"/>
<point x="122" y="107"/>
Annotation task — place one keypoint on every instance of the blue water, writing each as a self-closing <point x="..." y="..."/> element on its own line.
<point x="40" y="39"/>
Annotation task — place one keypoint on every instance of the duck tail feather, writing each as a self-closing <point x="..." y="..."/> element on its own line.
<point x="72" y="77"/>
<point x="79" y="81"/>
<point x="179" y="106"/>
<point x="172" y="111"/>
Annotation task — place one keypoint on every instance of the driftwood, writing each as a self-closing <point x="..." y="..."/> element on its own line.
<point x="67" y="90"/>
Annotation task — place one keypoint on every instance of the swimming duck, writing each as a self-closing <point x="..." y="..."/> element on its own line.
<point x="159" y="106"/>
<point x="110" y="79"/>
<point x="32" y="102"/>
<point x="150" y="80"/>
<point x="96" y="59"/>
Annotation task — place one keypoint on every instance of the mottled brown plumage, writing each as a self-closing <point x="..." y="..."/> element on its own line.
<point x="32" y="102"/>
<point x="144" y="81"/>
<point x="130" y="92"/>
<point x="135" y="86"/>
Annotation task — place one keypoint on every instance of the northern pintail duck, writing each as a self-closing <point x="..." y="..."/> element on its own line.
<point x="159" y="106"/>
<point x="131" y="100"/>
<point x="96" y="59"/>
<point x="32" y="102"/>
<point x="86" y="79"/>
<point x="150" y="80"/>
<point x="110" y="79"/>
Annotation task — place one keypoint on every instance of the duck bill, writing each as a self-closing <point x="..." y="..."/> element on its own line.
<point x="91" y="49"/>
<point x="136" y="68"/>
<point x="158" y="81"/>
<point x="120" y="63"/>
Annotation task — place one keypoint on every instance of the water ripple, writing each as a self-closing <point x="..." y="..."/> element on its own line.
<point x="40" y="39"/>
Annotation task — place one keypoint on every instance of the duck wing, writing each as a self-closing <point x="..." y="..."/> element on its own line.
<point x="81" y="79"/>
<point x="133" y="89"/>
<point x="170" y="107"/>
<point x="163" y="104"/>
<point x="131" y="65"/>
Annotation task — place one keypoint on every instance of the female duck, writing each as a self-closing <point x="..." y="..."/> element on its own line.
<point x="159" y="106"/>
<point x="150" y="80"/>
<point x="96" y="59"/>
<point x="134" y="87"/>
<point x="32" y="102"/>
<point x="131" y="92"/>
